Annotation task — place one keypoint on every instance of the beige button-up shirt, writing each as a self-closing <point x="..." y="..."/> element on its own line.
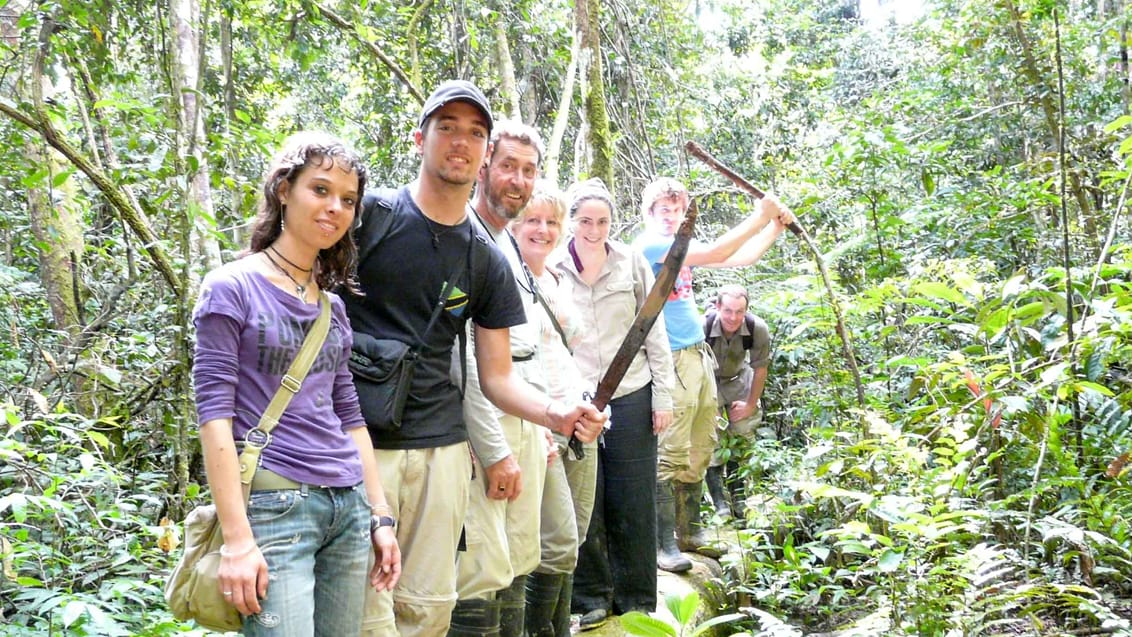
<point x="607" y="310"/>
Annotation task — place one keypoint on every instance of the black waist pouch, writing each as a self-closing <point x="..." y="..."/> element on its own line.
<point x="383" y="373"/>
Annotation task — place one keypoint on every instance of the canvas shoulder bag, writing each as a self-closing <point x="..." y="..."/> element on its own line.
<point x="193" y="589"/>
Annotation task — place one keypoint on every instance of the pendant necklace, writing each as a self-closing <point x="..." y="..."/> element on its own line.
<point x="288" y="261"/>
<point x="300" y="289"/>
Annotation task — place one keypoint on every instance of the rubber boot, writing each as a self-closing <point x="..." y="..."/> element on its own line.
<point x="735" y="485"/>
<point x="512" y="608"/>
<point x="543" y="593"/>
<point x="475" y="618"/>
<point x="714" y="480"/>
<point x="668" y="557"/>
<point x="562" y="610"/>
<point x="689" y="528"/>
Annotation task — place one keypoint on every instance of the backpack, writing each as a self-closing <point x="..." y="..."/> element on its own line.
<point x="710" y="318"/>
<point x="367" y="236"/>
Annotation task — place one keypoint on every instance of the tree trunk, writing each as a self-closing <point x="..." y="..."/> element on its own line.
<point x="58" y="231"/>
<point x="508" y="86"/>
<point x="561" y="117"/>
<point x="1046" y="93"/>
<point x="587" y="15"/>
<point x="185" y="19"/>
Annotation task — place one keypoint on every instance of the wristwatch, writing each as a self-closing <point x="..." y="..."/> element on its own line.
<point x="378" y="521"/>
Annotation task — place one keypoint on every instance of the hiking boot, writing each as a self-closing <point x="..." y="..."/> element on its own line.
<point x="543" y="593"/>
<point x="714" y="480"/>
<point x="668" y="556"/>
<point x="595" y="618"/>
<point x="512" y="608"/>
<point x="475" y="618"/>
<point x="689" y="528"/>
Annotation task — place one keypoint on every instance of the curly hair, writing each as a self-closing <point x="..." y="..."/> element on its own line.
<point x="337" y="265"/>
<point x="662" y="188"/>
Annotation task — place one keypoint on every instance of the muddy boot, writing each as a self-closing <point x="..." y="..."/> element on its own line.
<point x="736" y="486"/>
<point x="714" y="480"/>
<point x="668" y="557"/>
<point x="512" y="608"/>
<point x="543" y="593"/>
<point x="562" y="611"/>
<point x="475" y="618"/>
<point x="689" y="529"/>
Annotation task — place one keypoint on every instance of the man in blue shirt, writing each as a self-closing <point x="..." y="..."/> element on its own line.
<point x="687" y="446"/>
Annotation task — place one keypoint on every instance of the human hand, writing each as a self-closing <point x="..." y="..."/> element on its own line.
<point x="551" y="446"/>
<point x="771" y="209"/>
<point x="583" y="421"/>
<point x="661" y="420"/>
<point x="504" y="479"/>
<point x="387" y="559"/>
<point x="739" y="410"/>
<point x="243" y="576"/>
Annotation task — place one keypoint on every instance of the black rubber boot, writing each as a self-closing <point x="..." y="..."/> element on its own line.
<point x="689" y="529"/>
<point x="513" y="608"/>
<point x="668" y="557"/>
<point x="562" y="610"/>
<point x="735" y="484"/>
<point x="475" y="618"/>
<point x="544" y="590"/>
<point x="714" y="480"/>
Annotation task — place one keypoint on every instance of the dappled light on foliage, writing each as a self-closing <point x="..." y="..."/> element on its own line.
<point x="983" y="487"/>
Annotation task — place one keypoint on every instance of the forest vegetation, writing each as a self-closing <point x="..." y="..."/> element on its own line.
<point x="964" y="175"/>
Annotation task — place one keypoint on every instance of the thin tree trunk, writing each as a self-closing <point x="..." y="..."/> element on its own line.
<point x="508" y="86"/>
<point x="587" y="14"/>
<point x="1046" y="94"/>
<point x="58" y="231"/>
<point x="185" y="20"/>
<point x="561" y="117"/>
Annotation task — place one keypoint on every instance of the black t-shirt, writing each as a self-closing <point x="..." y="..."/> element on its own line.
<point x="402" y="280"/>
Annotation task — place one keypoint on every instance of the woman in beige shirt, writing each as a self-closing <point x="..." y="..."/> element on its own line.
<point x="608" y="283"/>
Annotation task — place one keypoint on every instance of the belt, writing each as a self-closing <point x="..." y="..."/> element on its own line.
<point x="268" y="480"/>
<point x="522" y="358"/>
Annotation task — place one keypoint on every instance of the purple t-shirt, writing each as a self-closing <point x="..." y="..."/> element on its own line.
<point x="248" y="332"/>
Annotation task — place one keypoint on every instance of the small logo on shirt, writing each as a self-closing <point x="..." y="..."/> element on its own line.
<point x="457" y="302"/>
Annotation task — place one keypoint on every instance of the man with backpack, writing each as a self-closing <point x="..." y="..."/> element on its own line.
<point x="740" y="342"/>
<point x="425" y="268"/>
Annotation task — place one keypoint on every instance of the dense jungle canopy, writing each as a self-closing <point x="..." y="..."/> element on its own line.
<point x="962" y="167"/>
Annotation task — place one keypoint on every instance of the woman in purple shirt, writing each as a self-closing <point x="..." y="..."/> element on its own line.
<point x="294" y="560"/>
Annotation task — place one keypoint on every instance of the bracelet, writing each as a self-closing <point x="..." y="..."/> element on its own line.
<point x="224" y="551"/>
<point x="381" y="509"/>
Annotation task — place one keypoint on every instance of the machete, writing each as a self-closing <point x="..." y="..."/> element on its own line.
<point x="646" y="316"/>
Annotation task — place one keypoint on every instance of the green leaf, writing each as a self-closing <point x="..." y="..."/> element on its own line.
<point x="1119" y="122"/>
<point x="1091" y="386"/>
<point x="638" y="623"/>
<point x="928" y="181"/>
<point x="937" y="290"/>
<point x="889" y="561"/>
<point x="1094" y="365"/>
<point x="717" y="621"/>
<point x="683" y="608"/>
<point x="73" y="611"/>
<point x="61" y="178"/>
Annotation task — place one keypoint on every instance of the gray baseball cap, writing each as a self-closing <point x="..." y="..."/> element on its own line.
<point x="456" y="91"/>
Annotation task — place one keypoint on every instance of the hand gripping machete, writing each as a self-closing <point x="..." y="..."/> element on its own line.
<point x="646" y="316"/>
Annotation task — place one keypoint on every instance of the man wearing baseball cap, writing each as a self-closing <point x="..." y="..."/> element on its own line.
<point x="428" y="255"/>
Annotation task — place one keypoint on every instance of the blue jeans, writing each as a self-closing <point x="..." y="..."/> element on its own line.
<point x="317" y="547"/>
